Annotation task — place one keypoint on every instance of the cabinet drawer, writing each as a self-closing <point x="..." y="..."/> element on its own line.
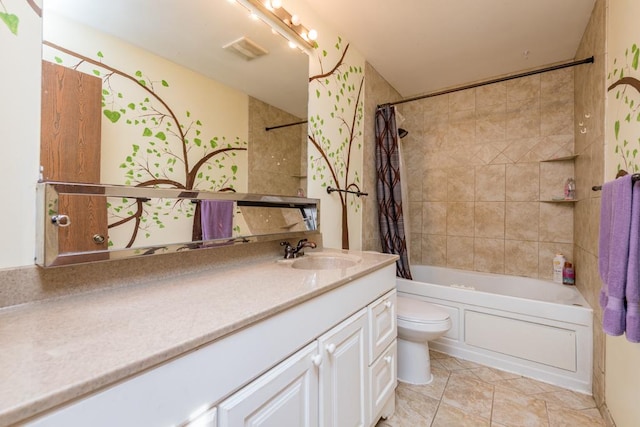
<point x="383" y="374"/>
<point x="382" y="324"/>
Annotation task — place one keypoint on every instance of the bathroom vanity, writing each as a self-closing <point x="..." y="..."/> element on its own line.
<point x="267" y="343"/>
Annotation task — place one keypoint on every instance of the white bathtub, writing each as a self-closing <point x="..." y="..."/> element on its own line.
<point x="531" y="327"/>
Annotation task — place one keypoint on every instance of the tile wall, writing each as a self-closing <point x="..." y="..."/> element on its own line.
<point x="589" y="145"/>
<point x="277" y="158"/>
<point x="476" y="180"/>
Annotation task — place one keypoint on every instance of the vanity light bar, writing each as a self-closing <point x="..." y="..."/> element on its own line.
<point x="283" y="22"/>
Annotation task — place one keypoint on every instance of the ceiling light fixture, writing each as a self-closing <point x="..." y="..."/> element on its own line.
<point x="287" y="24"/>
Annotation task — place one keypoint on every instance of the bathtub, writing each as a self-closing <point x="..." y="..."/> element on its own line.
<point x="535" y="328"/>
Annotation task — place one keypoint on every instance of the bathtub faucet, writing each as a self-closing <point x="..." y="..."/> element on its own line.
<point x="298" y="251"/>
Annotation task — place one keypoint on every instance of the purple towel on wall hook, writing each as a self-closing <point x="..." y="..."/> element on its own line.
<point x="615" y="225"/>
<point x="632" y="291"/>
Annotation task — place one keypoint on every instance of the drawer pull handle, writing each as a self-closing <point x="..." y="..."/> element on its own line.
<point x="388" y="359"/>
<point x="331" y="348"/>
<point x="388" y="304"/>
<point x="316" y="360"/>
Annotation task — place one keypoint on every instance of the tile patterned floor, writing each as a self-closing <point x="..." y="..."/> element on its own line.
<point x="466" y="394"/>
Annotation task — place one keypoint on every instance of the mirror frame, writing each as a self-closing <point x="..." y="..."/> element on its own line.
<point x="48" y="254"/>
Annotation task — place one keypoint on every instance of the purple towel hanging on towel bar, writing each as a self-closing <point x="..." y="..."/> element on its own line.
<point x="216" y="217"/>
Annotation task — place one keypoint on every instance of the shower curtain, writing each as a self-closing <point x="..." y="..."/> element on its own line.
<point x="389" y="192"/>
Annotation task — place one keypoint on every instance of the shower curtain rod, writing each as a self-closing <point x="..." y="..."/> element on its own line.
<point x="492" y="81"/>
<point x="287" y="125"/>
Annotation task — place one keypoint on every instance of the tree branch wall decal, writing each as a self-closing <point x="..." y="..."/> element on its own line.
<point x="171" y="151"/>
<point x="331" y="163"/>
<point x="627" y="96"/>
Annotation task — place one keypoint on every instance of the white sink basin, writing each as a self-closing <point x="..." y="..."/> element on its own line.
<point x="325" y="261"/>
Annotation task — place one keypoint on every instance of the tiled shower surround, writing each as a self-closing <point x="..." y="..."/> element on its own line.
<point x="477" y="184"/>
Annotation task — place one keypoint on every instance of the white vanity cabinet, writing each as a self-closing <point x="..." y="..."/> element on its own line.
<point x="328" y="361"/>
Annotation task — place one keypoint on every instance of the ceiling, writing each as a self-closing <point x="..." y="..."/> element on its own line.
<point x="418" y="46"/>
<point x="421" y="46"/>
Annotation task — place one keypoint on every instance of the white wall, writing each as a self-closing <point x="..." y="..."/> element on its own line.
<point x="622" y="382"/>
<point x="20" y="124"/>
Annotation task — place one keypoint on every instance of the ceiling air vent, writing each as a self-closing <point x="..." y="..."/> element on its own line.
<point x="246" y="48"/>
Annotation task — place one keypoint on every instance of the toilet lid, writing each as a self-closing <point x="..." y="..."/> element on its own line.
<point x="419" y="311"/>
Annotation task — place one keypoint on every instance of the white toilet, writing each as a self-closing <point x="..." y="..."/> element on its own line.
<point x="418" y="323"/>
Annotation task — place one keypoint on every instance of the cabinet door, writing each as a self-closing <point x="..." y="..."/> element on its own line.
<point x="344" y="383"/>
<point x="383" y="327"/>
<point x="285" y="396"/>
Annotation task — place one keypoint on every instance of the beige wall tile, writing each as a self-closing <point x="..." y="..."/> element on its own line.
<point x="491" y="122"/>
<point x="461" y="184"/>
<point x="462" y="127"/>
<point x="460" y="219"/>
<point x="495" y="94"/>
<point x="434" y="250"/>
<point x="522" y="221"/>
<point x="556" y="223"/>
<point x="415" y="216"/>
<point x="518" y="148"/>
<point x="434" y="218"/>
<point x="488" y="255"/>
<point x="434" y="185"/>
<point x="490" y="183"/>
<point x="557" y="85"/>
<point x="523" y="88"/>
<point x="523" y="182"/>
<point x="523" y="119"/>
<point x="415" y="248"/>
<point x="460" y="252"/>
<point x="462" y="100"/>
<point x="489" y="219"/>
<point x="521" y="258"/>
<point x="556" y="117"/>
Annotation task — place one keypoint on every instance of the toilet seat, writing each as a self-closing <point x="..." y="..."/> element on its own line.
<point x="417" y="311"/>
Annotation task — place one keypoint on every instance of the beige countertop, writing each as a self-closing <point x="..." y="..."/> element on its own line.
<point x="57" y="350"/>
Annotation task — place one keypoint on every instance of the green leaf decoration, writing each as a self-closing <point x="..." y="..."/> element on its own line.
<point x="147" y="132"/>
<point x="164" y="83"/>
<point x="197" y="141"/>
<point x="58" y="60"/>
<point x="634" y="62"/>
<point x="138" y="73"/>
<point x="161" y="136"/>
<point x="616" y="128"/>
<point x="132" y="106"/>
<point x="113" y="116"/>
<point x="100" y="55"/>
<point x="234" y="168"/>
<point x="12" y="21"/>
<point x="96" y="72"/>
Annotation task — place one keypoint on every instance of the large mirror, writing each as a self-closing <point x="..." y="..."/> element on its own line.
<point x="173" y="95"/>
<point x="169" y="84"/>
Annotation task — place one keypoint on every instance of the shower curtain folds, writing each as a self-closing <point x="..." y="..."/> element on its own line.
<point x="389" y="193"/>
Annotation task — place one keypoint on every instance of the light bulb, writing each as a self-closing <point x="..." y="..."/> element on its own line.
<point x="276" y="4"/>
<point x="313" y="34"/>
<point x="253" y="16"/>
<point x="295" y="20"/>
<point x="292" y="45"/>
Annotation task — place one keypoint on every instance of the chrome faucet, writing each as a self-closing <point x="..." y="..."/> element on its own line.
<point x="298" y="250"/>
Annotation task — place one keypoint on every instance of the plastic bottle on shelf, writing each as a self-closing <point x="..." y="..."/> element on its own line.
<point x="570" y="189"/>
<point x="558" y="265"/>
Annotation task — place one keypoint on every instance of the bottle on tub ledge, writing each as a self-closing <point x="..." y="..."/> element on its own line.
<point x="558" y="266"/>
<point x="568" y="274"/>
